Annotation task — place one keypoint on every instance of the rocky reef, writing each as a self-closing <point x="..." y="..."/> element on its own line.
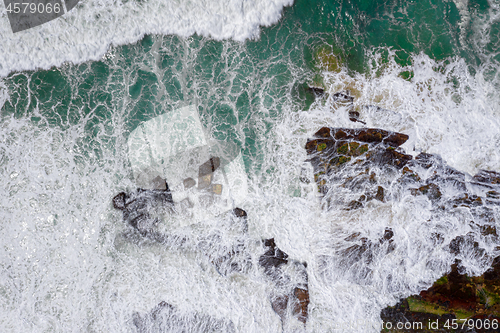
<point x="353" y="167"/>
<point x="472" y="302"/>
<point x="228" y="252"/>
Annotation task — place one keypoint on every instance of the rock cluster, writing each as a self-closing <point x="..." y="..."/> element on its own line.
<point x="291" y="297"/>
<point x="227" y="251"/>
<point x="355" y="166"/>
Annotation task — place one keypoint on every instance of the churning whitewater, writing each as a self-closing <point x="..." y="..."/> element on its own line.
<point x="73" y="259"/>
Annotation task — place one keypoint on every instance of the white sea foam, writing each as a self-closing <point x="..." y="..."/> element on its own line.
<point x="87" y="31"/>
<point x="67" y="266"/>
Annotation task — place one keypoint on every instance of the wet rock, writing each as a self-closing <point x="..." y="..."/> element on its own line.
<point x="279" y="303"/>
<point x="141" y="208"/>
<point x="238" y="212"/>
<point x="493" y="273"/>
<point x="453" y="296"/>
<point x="388" y="233"/>
<point x="454" y="290"/>
<point x="317" y="91"/>
<point x="354" y="116"/>
<point x="487" y="177"/>
<point x="431" y="190"/>
<point x="467" y="244"/>
<point x="343" y="97"/>
<point x="301" y="300"/>
<point x="366" y="161"/>
<point x="361" y="252"/>
<point x="380" y="194"/>
<point x="356" y="169"/>
<point x="205" y="172"/>
<point x="467" y="201"/>
<point x="368" y="135"/>
<point x="291" y="295"/>
<point x="390" y="157"/>
<point x="332" y="150"/>
<point x="167" y="318"/>
<point x="273" y="257"/>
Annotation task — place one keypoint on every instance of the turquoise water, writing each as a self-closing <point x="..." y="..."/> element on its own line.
<point x="64" y="133"/>
<point x="249" y="82"/>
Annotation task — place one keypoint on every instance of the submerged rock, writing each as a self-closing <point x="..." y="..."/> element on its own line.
<point x="355" y="169"/>
<point x="291" y="297"/>
<point x="142" y="207"/>
<point x="167" y="318"/>
<point x="365" y="162"/>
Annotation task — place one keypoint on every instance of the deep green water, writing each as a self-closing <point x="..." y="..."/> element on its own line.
<point x="241" y="88"/>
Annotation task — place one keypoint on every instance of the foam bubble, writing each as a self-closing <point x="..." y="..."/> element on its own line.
<point x="87" y="31"/>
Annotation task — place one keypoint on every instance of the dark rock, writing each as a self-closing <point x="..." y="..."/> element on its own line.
<point x="426" y="160"/>
<point x="301" y="298"/>
<point x="431" y="191"/>
<point x="353" y="115"/>
<point x="390" y="157"/>
<point x="467" y="201"/>
<point x="188" y="183"/>
<point x="493" y="273"/>
<point x="487" y="177"/>
<point x="334" y="149"/>
<point x="369" y="164"/>
<point x="455" y="291"/>
<point x="273" y="257"/>
<point x="368" y="135"/>
<point x="388" y="233"/>
<point x="317" y="91"/>
<point x="455" y="295"/>
<point x="380" y="194"/>
<point x="466" y="245"/>
<point x="360" y="253"/>
<point x="238" y="212"/>
<point x="293" y="296"/>
<point x="119" y="201"/>
<point x="139" y="207"/>
<point x="279" y="303"/>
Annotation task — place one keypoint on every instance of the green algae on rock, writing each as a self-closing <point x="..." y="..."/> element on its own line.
<point x="455" y="296"/>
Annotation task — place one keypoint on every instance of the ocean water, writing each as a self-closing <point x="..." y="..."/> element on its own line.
<point x="73" y="89"/>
